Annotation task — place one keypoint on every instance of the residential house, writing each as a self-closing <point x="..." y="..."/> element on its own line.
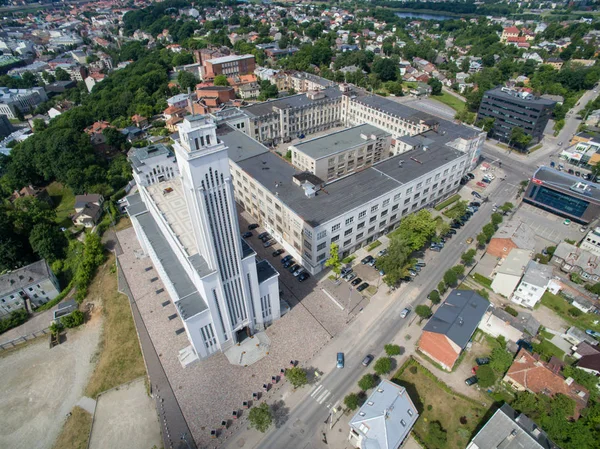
<point x="385" y="420"/>
<point x="421" y="90"/>
<point x="249" y="91"/>
<point x="508" y="33"/>
<point x="513" y="234"/>
<point x="529" y="373"/>
<point x="576" y="336"/>
<point x="510" y="271"/>
<point x="35" y="284"/>
<point x="39" y="193"/>
<point x="583" y="349"/>
<point x="139" y="121"/>
<point x="590" y="363"/>
<point x="133" y="133"/>
<point x="591" y="242"/>
<point x="509" y="429"/>
<point x="497" y="321"/>
<point x="571" y="259"/>
<point x="88" y="209"/>
<point x="450" y="328"/>
<point x="95" y="131"/>
<point x="533" y="285"/>
<point x="556" y="63"/>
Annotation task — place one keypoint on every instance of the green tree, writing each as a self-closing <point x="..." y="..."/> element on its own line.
<point x="468" y="257"/>
<point x="519" y="138"/>
<point x="260" y="417"/>
<point x="61" y="74"/>
<point x="187" y="80"/>
<point x="436" y="86"/>
<point x="416" y="229"/>
<point x="114" y="138"/>
<point x="485" y="376"/>
<point x="394" y="262"/>
<point x="221" y="80"/>
<point x="367" y="382"/>
<point x="486" y="124"/>
<point x="352" y="401"/>
<point x="442" y="287"/>
<point x="392" y="350"/>
<point x="386" y="69"/>
<point x="296" y="376"/>
<point x="450" y="278"/>
<point x="500" y="360"/>
<point x="496" y="218"/>
<point x="481" y="239"/>
<point x="436" y="434"/>
<point x="28" y="211"/>
<point x="267" y="90"/>
<point x="334" y="261"/>
<point x="383" y="366"/>
<point x="434" y="297"/>
<point x="76" y="318"/>
<point x="47" y="241"/>
<point x="423" y="311"/>
<point x="180" y="59"/>
<point x="39" y="124"/>
<point x="507" y="207"/>
<point x="489" y="230"/>
<point x="459" y="270"/>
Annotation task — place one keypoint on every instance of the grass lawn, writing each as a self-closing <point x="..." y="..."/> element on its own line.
<point x="450" y="100"/>
<point x="435" y="401"/>
<point x="374" y="245"/>
<point x="448" y="202"/>
<point x="64" y="202"/>
<point x="120" y="358"/>
<point x="123" y="223"/>
<point x="561" y="306"/>
<point x="76" y="431"/>
<point x="480" y="279"/>
<point x="547" y="350"/>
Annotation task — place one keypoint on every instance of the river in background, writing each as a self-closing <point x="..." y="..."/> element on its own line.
<point x="423" y="16"/>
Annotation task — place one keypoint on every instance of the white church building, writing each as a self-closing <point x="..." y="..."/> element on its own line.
<point x="188" y="226"/>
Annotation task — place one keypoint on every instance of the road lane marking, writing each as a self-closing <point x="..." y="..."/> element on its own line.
<point x="316" y="390"/>
<point x="324" y="397"/>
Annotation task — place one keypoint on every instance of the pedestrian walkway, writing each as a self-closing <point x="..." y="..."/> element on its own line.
<point x="320" y="395"/>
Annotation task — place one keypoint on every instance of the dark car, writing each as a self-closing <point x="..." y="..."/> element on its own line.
<point x="267" y="243"/>
<point x="482" y="360"/>
<point x="252" y="226"/>
<point x="471" y="380"/>
<point x="303" y="276"/>
<point x="475" y="204"/>
<point x="454" y="225"/>
<point x="356" y="281"/>
<point x="476" y="195"/>
<point x="293" y="268"/>
<point x="246" y="234"/>
<point x="367" y="360"/>
<point x="288" y="263"/>
<point x="577" y="173"/>
<point x="406" y="279"/>
<point x="366" y="260"/>
<point x="571" y="171"/>
<point x="286" y="258"/>
<point x="262" y="235"/>
<point x="362" y="287"/>
<point x="277" y="252"/>
<point x="471" y="175"/>
<point x="452" y="231"/>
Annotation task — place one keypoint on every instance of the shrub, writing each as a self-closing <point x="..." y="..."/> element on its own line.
<point x="434" y="297"/>
<point x="574" y="312"/>
<point x="383" y="366"/>
<point x="448" y="202"/>
<point x="442" y="287"/>
<point x="352" y="401"/>
<point x="73" y="320"/>
<point x="392" y="350"/>
<point x="436" y="434"/>
<point x="367" y="382"/>
<point x="510" y="310"/>
<point x="485" y="376"/>
<point x="14" y="319"/>
<point x="484" y="293"/>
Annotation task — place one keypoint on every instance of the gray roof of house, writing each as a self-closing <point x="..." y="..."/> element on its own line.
<point x="386" y="418"/>
<point x="339" y="141"/>
<point x="292" y="101"/>
<point x="82" y="200"/>
<point x="518" y="232"/>
<point x="537" y="274"/>
<point x="571" y="184"/>
<point x="265" y="271"/>
<point x="578" y="257"/>
<point x="507" y="429"/>
<point x="525" y="322"/>
<point x="341" y="195"/>
<point x="515" y="262"/>
<point x="22" y="277"/>
<point x="192" y="302"/>
<point x="458" y="316"/>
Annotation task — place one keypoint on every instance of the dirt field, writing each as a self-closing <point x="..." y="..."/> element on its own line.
<point x="41" y="385"/>
<point x="126" y="414"/>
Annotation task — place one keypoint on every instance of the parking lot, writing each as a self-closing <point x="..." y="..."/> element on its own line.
<point x="548" y="227"/>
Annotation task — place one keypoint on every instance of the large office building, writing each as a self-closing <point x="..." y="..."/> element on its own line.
<point x="511" y="109"/>
<point x="563" y="194"/>
<point x="152" y="164"/>
<point x="306" y="213"/>
<point x="340" y="153"/>
<point x="22" y="100"/>
<point x="232" y="65"/>
<point x="188" y="226"/>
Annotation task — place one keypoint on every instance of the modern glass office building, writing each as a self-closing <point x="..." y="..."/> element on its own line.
<point x="564" y="195"/>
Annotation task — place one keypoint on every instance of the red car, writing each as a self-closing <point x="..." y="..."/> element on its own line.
<point x="482" y="184"/>
<point x="474" y="369"/>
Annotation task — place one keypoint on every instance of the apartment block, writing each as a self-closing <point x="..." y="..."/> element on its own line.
<point x="511" y="109"/>
<point x="341" y="153"/>
<point x="35" y="283"/>
<point x="188" y="226"/>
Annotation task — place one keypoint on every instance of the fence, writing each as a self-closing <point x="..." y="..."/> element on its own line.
<point x="17" y="341"/>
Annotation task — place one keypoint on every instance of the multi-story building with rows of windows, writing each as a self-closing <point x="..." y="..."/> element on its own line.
<point x="305" y="213"/>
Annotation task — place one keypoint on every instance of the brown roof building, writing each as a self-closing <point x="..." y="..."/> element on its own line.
<point x="514" y="234"/>
<point x="529" y="373"/>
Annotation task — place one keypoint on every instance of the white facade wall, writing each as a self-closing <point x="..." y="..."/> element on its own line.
<point x="38" y="293"/>
<point x="591" y="242"/>
<point x="528" y="295"/>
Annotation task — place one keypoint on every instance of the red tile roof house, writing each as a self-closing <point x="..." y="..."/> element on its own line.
<point x="451" y="327"/>
<point x="529" y="373"/>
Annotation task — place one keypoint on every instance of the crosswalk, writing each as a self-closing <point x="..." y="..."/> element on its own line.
<point x="321" y="394"/>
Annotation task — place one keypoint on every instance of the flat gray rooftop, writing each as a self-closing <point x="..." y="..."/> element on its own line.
<point x="293" y="101"/>
<point x="265" y="271"/>
<point x="341" y="195"/>
<point x="239" y="149"/>
<point x="553" y="178"/>
<point x="339" y="141"/>
<point x="191" y="302"/>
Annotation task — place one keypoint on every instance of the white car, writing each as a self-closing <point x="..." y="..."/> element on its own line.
<point x="404" y="313"/>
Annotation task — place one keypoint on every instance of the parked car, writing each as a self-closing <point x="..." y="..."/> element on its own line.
<point x="471" y="380"/>
<point x="298" y="271"/>
<point x="420" y="263"/>
<point x="288" y="263"/>
<point x="482" y="360"/>
<point x="561" y="167"/>
<point x="448" y="236"/>
<point x="262" y="235"/>
<point x="475" y="204"/>
<point x="277" y="252"/>
<point x="552" y="164"/>
<point x="567" y="222"/>
<point x="404" y="312"/>
<point x="481" y="184"/>
<point x="345" y="271"/>
<point x="362" y="287"/>
<point x="469" y="240"/>
<point x="412" y="273"/>
<point x="474" y="369"/>
<point x="417" y="269"/>
<point x="286" y="258"/>
<point x="571" y="171"/>
<point x="340" y="360"/>
<point x="577" y="173"/>
<point x="245" y="235"/>
<point x="436" y="249"/>
<point x="592" y="333"/>
<point x="452" y="231"/>
<point x="485" y="180"/>
<point x="367" y="360"/>
<point x="293" y="268"/>
<point x="372" y="262"/>
<point x="476" y="195"/>
<point x="383" y="252"/>
<point x="252" y="226"/>
<point x="268" y="243"/>
<point x="471" y="175"/>
<point x="303" y="276"/>
<point x="350" y="277"/>
<point x="356" y="281"/>
<point x="406" y="279"/>
<point x="366" y="260"/>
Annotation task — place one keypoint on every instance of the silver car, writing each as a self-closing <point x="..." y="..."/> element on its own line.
<point x="404" y="313"/>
